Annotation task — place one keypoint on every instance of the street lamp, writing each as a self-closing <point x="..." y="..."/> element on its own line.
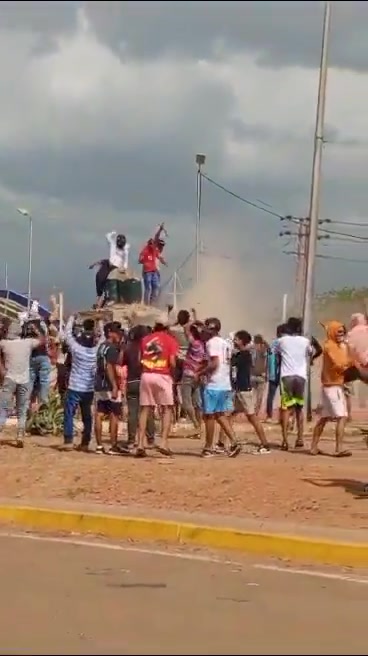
<point x="200" y="161"/>
<point x="24" y="212"/>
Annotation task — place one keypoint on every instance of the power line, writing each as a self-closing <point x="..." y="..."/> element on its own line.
<point x="345" y="240"/>
<point x="242" y="199"/>
<point x="356" y="224"/>
<point x="362" y="238"/>
<point x="331" y="257"/>
<point x="179" y="268"/>
<point x="294" y="219"/>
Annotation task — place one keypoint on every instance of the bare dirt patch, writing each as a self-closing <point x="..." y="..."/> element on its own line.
<point x="293" y="487"/>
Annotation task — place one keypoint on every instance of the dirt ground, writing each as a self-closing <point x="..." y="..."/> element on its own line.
<point x="293" y="487"/>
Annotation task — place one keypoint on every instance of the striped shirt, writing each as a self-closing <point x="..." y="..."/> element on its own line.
<point x="84" y="361"/>
<point x="195" y="356"/>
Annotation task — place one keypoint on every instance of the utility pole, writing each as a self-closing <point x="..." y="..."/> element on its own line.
<point x="177" y="290"/>
<point x="301" y="250"/>
<point x="200" y="161"/>
<point x="304" y="255"/>
<point x="6" y="277"/>
<point x="299" y="274"/>
<point x="316" y="177"/>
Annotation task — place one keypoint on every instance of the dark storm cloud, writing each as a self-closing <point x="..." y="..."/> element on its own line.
<point x="157" y="177"/>
<point x="42" y="17"/>
<point x="281" y="33"/>
<point x="153" y="175"/>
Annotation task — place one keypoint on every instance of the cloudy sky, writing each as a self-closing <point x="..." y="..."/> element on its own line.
<point x="104" y="105"/>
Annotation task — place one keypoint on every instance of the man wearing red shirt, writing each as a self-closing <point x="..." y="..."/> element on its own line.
<point x="149" y="257"/>
<point x="158" y="359"/>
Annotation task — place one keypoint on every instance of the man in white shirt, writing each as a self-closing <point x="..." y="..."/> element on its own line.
<point x="15" y="375"/>
<point x="118" y="259"/>
<point x="217" y="396"/>
<point x="295" y="352"/>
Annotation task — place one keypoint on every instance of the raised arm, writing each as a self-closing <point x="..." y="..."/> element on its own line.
<point x="94" y="264"/>
<point x="160" y="229"/>
<point x="111" y="236"/>
<point x="67" y="335"/>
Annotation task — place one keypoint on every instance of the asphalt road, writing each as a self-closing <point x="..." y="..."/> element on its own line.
<point x="63" y="598"/>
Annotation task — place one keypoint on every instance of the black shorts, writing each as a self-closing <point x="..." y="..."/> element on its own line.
<point x="108" y="407"/>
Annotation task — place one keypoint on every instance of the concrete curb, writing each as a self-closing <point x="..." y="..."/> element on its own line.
<point x="277" y="545"/>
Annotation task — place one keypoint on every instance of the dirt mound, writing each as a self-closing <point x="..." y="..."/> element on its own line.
<point x="128" y="315"/>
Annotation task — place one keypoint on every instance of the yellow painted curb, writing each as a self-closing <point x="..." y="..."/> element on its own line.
<point x="266" y="544"/>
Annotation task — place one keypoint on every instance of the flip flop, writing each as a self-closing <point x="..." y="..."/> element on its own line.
<point x="343" y="454"/>
<point x="164" y="452"/>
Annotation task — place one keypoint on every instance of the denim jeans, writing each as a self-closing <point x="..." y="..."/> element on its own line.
<point x="132" y="397"/>
<point x="151" y="281"/>
<point x="72" y="401"/>
<point x="40" y="370"/>
<point x="7" y="391"/>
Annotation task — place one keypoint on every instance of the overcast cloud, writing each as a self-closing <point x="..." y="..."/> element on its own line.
<point x="104" y="105"/>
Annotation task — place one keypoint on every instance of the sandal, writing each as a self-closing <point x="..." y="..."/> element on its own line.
<point x="343" y="454"/>
<point x="140" y="453"/>
<point x="284" y="446"/>
<point x="164" y="452"/>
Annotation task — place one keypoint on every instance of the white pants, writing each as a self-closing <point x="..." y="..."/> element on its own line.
<point x="333" y="402"/>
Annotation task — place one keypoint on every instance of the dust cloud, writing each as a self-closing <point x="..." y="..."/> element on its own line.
<point x="241" y="299"/>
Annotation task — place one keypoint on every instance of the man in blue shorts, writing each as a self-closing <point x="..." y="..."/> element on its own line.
<point x="217" y="396"/>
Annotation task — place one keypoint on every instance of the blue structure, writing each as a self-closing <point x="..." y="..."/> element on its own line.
<point x="20" y="302"/>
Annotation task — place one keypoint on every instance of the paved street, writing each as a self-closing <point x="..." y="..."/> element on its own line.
<point x="62" y="598"/>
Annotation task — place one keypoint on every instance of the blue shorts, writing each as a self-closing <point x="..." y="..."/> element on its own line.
<point x="216" y="401"/>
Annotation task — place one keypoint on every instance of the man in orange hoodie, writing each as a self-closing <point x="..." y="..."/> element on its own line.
<point x="336" y="360"/>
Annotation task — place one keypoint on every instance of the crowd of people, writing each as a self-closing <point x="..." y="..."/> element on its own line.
<point x="180" y="367"/>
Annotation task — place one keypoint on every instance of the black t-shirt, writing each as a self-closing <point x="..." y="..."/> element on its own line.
<point x="241" y="365"/>
<point x="27" y="331"/>
<point x="106" y="354"/>
<point x="132" y="361"/>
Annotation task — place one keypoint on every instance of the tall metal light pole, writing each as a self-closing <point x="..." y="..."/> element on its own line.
<point x="25" y="213"/>
<point x="316" y="177"/>
<point x="200" y="161"/>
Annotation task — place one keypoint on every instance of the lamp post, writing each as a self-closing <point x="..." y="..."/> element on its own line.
<point x="26" y="214"/>
<point x="200" y="161"/>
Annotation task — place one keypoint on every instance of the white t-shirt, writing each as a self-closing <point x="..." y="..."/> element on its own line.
<point x="220" y="378"/>
<point x="17" y="353"/>
<point x="294" y="351"/>
<point x="118" y="257"/>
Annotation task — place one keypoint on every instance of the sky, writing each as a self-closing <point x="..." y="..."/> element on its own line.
<point x="104" y="106"/>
